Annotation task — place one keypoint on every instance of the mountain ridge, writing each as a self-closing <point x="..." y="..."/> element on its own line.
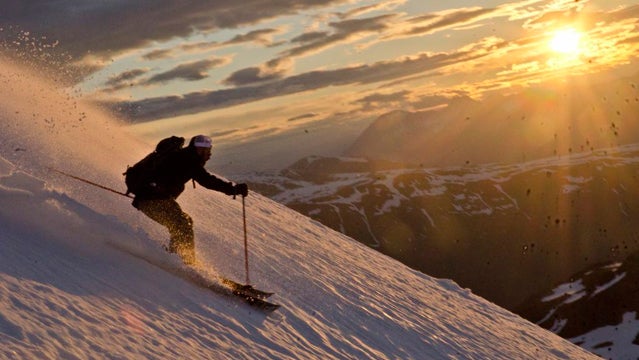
<point x="538" y="122"/>
<point x="448" y="214"/>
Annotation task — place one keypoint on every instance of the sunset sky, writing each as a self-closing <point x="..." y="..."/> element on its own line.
<point x="238" y="68"/>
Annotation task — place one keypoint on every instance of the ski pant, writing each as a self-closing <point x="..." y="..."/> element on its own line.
<point x="168" y="213"/>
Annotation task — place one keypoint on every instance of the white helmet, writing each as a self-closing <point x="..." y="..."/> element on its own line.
<point x="202" y="141"/>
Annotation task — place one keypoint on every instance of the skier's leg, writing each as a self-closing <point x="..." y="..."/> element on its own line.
<point x="180" y="225"/>
<point x="181" y="230"/>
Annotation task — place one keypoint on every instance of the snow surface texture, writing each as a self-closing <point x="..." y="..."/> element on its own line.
<point x="66" y="292"/>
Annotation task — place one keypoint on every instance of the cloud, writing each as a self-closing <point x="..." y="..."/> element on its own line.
<point x="310" y="37"/>
<point x="382" y="5"/>
<point x="384" y="27"/>
<point x="125" y="79"/>
<point x="309" y="43"/>
<point x="408" y="100"/>
<point x="383" y="100"/>
<point x="154" y="108"/>
<point x="106" y="28"/>
<point x="433" y="101"/>
<point x="431" y="23"/>
<point x="263" y="37"/>
<point x="344" y="31"/>
<point x="192" y="71"/>
<point x="158" y="54"/>
<point x="109" y="28"/>
<point x="252" y="75"/>
<point x="631" y="40"/>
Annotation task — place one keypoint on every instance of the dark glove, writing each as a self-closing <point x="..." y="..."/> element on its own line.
<point x="241" y="189"/>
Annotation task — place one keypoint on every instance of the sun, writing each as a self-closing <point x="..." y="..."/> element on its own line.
<point x="565" y="41"/>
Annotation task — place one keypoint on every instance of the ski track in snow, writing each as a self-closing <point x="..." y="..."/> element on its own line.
<point x="66" y="294"/>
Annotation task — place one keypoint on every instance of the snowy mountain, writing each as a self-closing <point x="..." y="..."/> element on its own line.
<point x="475" y="224"/>
<point x="69" y="292"/>
<point x="596" y="309"/>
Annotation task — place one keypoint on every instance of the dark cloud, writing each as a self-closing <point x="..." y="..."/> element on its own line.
<point x="309" y="37"/>
<point x="111" y="27"/>
<point x="261" y="36"/>
<point x="158" y="54"/>
<point x="155" y="108"/>
<point x="384" y="98"/>
<point x="422" y="18"/>
<point x="344" y="30"/>
<point x="309" y="43"/>
<point x="199" y="46"/>
<point x="251" y="76"/>
<point x="128" y="78"/>
<point x="193" y="71"/>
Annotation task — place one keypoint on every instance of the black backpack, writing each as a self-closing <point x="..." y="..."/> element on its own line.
<point x="138" y="176"/>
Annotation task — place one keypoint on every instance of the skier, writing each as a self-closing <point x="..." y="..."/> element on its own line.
<point x="157" y="199"/>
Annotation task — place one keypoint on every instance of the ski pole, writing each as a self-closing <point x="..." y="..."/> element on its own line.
<point x="90" y="182"/>
<point x="246" y="263"/>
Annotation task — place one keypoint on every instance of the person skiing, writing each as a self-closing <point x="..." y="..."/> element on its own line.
<point x="156" y="198"/>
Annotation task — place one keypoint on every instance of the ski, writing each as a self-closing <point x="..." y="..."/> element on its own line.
<point x="246" y="290"/>
<point x="257" y="302"/>
<point x="251" y="295"/>
<point x="262" y="304"/>
<point x="255" y="298"/>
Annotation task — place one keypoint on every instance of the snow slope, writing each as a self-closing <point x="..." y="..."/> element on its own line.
<point x="67" y="292"/>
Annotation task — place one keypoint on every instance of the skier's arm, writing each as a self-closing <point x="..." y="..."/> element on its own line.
<point x="212" y="182"/>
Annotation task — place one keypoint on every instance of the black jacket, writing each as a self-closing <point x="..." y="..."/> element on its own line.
<point x="176" y="170"/>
